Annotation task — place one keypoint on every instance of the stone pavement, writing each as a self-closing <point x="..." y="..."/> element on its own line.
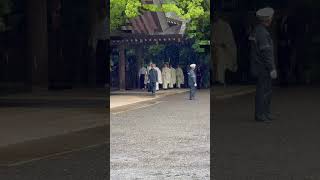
<point x="30" y="116"/>
<point x="123" y="98"/>
<point x="222" y="92"/>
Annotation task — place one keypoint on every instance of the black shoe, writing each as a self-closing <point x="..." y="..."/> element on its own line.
<point x="270" y="117"/>
<point x="262" y="119"/>
<point x="268" y="121"/>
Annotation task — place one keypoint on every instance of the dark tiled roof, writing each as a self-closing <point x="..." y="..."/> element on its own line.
<point x="150" y="27"/>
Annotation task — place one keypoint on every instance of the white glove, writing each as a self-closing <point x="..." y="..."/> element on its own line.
<point x="273" y="74"/>
<point x="195" y="85"/>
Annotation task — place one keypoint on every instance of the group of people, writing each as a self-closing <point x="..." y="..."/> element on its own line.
<point x="151" y="77"/>
<point x="167" y="78"/>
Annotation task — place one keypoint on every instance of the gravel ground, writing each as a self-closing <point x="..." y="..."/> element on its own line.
<point x="168" y="140"/>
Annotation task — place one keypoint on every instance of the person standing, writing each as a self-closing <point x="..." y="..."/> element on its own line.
<point x="225" y="48"/>
<point x="180" y="76"/>
<point x="153" y="79"/>
<point x="263" y="66"/>
<point x="159" y="78"/>
<point x="142" y="74"/>
<point x="192" y="81"/>
<point x="166" y="76"/>
<point x="173" y="79"/>
<point x="147" y="77"/>
<point x="199" y="76"/>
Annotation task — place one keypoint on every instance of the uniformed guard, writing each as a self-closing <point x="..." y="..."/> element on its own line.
<point x="192" y="81"/>
<point x="262" y="64"/>
<point x="153" y="78"/>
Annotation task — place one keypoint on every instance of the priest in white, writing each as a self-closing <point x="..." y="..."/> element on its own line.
<point x="166" y="76"/>
<point x="225" y="48"/>
<point x="180" y="76"/>
<point x="173" y="80"/>
<point x="159" y="77"/>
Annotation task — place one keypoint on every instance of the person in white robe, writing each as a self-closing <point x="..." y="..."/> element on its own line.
<point x="180" y="76"/>
<point x="159" y="77"/>
<point x="166" y="76"/>
<point x="225" y="48"/>
<point x="173" y="79"/>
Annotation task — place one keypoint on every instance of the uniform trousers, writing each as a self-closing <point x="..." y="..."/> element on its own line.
<point x="192" y="92"/>
<point x="263" y="95"/>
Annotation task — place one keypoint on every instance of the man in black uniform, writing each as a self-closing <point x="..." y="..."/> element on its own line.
<point x="153" y="79"/>
<point x="262" y="64"/>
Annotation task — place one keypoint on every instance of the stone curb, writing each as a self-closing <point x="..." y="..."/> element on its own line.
<point x="235" y="94"/>
<point x="151" y="98"/>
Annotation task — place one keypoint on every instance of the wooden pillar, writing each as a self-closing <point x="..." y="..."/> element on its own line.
<point x="37" y="40"/>
<point x="93" y="21"/>
<point x="122" y="68"/>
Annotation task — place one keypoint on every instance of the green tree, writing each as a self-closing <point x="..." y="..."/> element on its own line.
<point x="117" y="14"/>
<point x="199" y="28"/>
<point x="120" y="10"/>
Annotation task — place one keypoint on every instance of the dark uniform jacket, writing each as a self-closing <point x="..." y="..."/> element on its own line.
<point x="192" y="78"/>
<point x="153" y="76"/>
<point x="262" y="52"/>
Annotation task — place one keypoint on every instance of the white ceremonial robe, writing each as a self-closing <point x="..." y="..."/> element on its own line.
<point x="159" y="78"/>
<point x="173" y="80"/>
<point x="225" y="49"/>
<point x="166" y="77"/>
<point x="180" y="77"/>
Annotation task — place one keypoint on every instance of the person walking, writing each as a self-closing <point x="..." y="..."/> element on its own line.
<point x="153" y="79"/>
<point x="159" y="78"/>
<point x="262" y="64"/>
<point x="142" y="74"/>
<point x="192" y="81"/>
<point x="166" y="76"/>
<point x="173" y="79"/>
<point x="180" y="76"/>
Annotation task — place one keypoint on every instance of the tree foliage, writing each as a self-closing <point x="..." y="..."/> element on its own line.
<point x="117" y="13"/>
